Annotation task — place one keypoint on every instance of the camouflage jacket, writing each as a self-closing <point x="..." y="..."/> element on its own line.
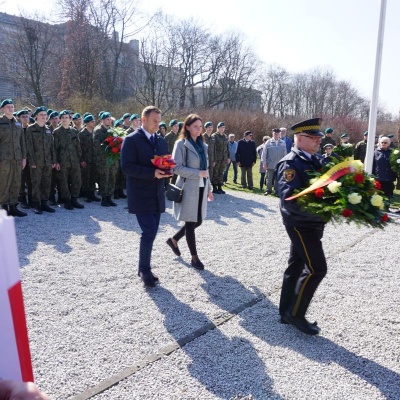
<point x="12" y="140"/>
<point x="99" y="135"/>
<point x="40" y="146"/>
<point x="210" y="142"/>
<point x="67" y="147"/>
<point x="87" y="145"/>
<point x="171" y="138"/>
<point x="221" y="147"/>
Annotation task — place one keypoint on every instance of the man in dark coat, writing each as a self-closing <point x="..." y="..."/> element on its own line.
<point x="246" y="157"/>
<point x="145" y="184"/>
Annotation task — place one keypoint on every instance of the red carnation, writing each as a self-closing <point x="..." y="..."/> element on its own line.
<point x="115" y="150"/>
<point x="347" y="213"/>
<point x="377" y="185"/>
<point x="319" y="193"/>
<point x="385" y="217"/>
<point x="359" y="178"/>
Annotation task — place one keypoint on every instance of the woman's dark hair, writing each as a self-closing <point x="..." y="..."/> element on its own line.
<point x="189" y="120"/>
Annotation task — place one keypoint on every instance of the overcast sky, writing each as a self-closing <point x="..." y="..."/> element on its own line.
<point x="297" y="34"/>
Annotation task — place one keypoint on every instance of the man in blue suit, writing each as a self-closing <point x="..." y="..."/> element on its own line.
<point x="145" y="184"/>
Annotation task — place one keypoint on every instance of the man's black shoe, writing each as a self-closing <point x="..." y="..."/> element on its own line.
<point x="301" y="324"/>
<point x="155" y="277"/>
<point x="282" y="321"/>
<point x="38" y="209"/>
<point x="174" y="248"/>
<point x="147" y="279"/>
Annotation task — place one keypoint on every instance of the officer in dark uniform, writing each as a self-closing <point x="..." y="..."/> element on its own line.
<point x="307" y="264"/>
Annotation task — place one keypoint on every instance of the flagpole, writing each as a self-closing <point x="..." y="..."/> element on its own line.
<point x="375" y="92"/>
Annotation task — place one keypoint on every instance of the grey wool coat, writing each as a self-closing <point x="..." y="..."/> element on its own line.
<point x="188" y="166"/>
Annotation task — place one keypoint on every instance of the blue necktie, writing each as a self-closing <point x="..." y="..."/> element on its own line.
<point x="152" y="140"/>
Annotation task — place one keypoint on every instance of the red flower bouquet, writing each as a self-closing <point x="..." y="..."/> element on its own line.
<point x="166" y="163"/>
<point x="112" y="144"/>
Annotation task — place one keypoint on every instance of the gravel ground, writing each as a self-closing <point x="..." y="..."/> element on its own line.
<point x="90" y="318"/>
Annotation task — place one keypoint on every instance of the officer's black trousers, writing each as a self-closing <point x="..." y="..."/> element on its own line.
<point x="306" y="269"/>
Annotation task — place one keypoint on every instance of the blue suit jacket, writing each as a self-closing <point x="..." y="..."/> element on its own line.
<point x="145" y="192"/>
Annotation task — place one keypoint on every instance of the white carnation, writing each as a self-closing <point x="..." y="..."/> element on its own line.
<point x="354" y="198"/>
<point x="334" y="186"/>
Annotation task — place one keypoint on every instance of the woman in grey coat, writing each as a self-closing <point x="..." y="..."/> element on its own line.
<point x="191" y="157"/>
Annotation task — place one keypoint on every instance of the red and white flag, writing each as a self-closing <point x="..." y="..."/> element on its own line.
<point x="15" y="357"/>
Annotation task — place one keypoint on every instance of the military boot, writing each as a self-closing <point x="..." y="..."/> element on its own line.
<point x="104" y="202"/>
<point x="110" y="202"/>
<point x="75" y="204"/>
<point x="22" y="200"/>
<point x="46" y="207"/>
<point x="87" y="197"/>
<point x="13" y="211"/>
<point x="38" y="208"/>
<point x="215" y="190"/>
<point x="68" y="205"/>
<point x="220" y="191"/>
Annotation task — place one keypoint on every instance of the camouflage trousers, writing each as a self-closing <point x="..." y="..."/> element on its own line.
<point x="26" y="181"/>
<point x="10" y="181"/>
<point x="89" y="177"/>
<point x="41" y="183"/>
<point x="70" y="181"/>
<point x="120" y="180"/>
<point x="211" y="172"/>
<point x="106" y="177"/>
<point x="218" y="173"/>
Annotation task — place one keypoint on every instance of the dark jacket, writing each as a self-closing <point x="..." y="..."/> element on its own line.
<point x="246" y="153"/>
<point x="145" y="192"/>
<point x="292" y="174"/>
<point x="381" y="165"/>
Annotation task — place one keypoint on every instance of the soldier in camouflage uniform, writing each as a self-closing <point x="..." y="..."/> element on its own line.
<point x="221" y="158"/>
<point x="23" y="118"/>
<point x="53" y="123"/>
<point x="209" y="140"/>
<point x="120" y="181"/>
<point x="125" y="121"/>
<point x="41" y="158"/>
<point x="89" y="172"/>
<point x="69" y="155"/>
<point x="162" y="128"/>
<point x="77" y="122"/>
<point x="135" y="123"/>
<point x="106" y="171"/>
<point x="12" y="158"/>
<point x="172" y="136"/>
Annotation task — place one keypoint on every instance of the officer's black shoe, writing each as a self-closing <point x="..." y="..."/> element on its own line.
<point x="93" y="196"/>
<point x="282" y="321"/>
<point x="104" y="202"/>
<point x="215" y="189"/>
<point x="116" y="194"/>
<point x="301" y="324"/>
<point x="38" y="209"/>
<point x="75" y="204"/>
<point x="220" y="191"/>
<point x="14" y="212"/>
<point x="148" y="279"/>
<point x="68" y="205"/>
<point x="46" y="207"/>
<point x="110" y="202"/>
<point x="121" y="193"/>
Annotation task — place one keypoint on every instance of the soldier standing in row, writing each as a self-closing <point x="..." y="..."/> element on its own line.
<point x="89" y="172"/>
<point x="210" y="142"/>
<point x="125" y="121"/>
<point x="360" y="149"/>
<point x="12" y="159"/>
<point x="41" y="158"/>
<point x="221" y="157"/>
<point x="172" y="136"/>
<point x="23" y="118"/>
<point x="135" y="123"/>
<point x="68" y="156"/>
<point x="77" y="121"/>
<point x="107" y="170"/>
<point x="53" y="123"/>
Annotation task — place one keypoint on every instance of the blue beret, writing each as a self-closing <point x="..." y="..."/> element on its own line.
<point x="328" y="130"/>
<point x="49" y="111"/>
<point x="64" y="112"/>
<point x="22" y="112"/>
<point x="105" y="114"/>
<point x="101" y="112"/>
<point x="54" y="114"/>
<point x="344" y="135"/>
<point x="38" y="110"/>
<point x="366" y="133"/>
<point x="118" y="122"/>
<point x="126" y="115"/>
<point x="220" y="124"/>
<point x="5" y="102"/>
<point x="31" y="120"/>
<point x="390" y="136"/>
<point x="76" y="116"/>
<point x="86" y="114"/>
<point x="162" y="123"/>
<point x="134" y="116"/>
<point x="173" y="122"/>
<point x="207" y="124"/>
<point x="88" y="118"/>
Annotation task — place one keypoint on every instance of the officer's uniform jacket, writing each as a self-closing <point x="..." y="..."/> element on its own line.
<point x="12" y="140"/>
<point x="67" y="147"/>
<point x="292" y="174"/>
<point x="40" y="146"/>
<point x="87" y="145"/>
<point x="221" y="147"/>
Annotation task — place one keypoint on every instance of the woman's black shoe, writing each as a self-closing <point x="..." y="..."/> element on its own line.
<point x="174" y="248"/>
<point x="197" y="264"/>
